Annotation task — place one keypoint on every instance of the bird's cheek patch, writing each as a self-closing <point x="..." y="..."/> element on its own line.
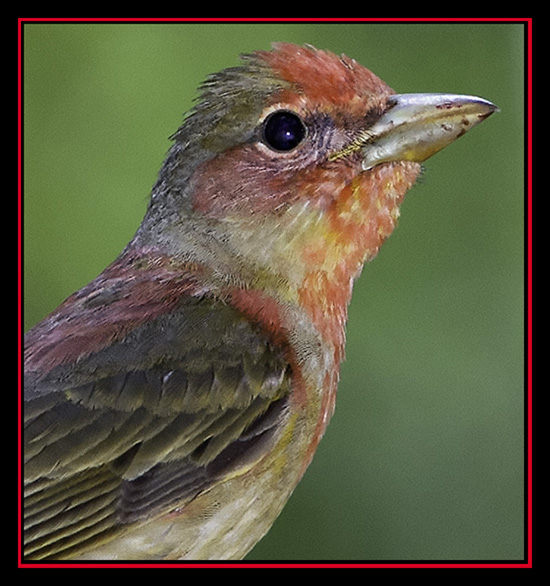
<point x="239" y="181"/>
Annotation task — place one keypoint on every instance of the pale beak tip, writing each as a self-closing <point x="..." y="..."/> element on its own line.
<point x="416" y="126"/>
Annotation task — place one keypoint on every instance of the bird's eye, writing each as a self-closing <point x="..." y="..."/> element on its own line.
<point x="283" y="130"/>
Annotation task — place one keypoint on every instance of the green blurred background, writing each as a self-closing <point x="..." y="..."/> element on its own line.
<point x="423" y="459"/>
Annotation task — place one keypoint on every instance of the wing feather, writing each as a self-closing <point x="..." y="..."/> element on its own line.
<point x="139" y="426"/>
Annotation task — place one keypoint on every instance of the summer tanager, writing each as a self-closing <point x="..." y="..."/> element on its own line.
<point x="173" y="404"/>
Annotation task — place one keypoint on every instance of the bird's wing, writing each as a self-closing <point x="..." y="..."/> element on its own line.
<point x="137" y="402"/>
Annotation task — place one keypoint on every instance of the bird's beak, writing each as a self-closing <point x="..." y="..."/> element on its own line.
<point x="416" y="126"/>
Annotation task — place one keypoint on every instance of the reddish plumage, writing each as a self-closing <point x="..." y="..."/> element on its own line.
<point x="334" y="83"/>
<point x="132" y="290"/>
<point x="173" y="404"/>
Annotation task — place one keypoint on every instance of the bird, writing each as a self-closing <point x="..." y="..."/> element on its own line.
<point x="172" y="405"/>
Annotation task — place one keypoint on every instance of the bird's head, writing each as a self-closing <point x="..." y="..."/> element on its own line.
<point x="289" y="172"/>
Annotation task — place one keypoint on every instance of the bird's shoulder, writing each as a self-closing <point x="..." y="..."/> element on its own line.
<point x="140" y="391"/>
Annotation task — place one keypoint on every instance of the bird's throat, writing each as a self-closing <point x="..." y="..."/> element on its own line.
<point x="313" y="254"/>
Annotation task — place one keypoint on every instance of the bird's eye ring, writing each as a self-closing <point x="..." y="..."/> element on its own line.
<point x="283" y="130"/>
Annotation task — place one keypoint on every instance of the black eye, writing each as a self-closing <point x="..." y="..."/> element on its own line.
<point x="283" y="130"/>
